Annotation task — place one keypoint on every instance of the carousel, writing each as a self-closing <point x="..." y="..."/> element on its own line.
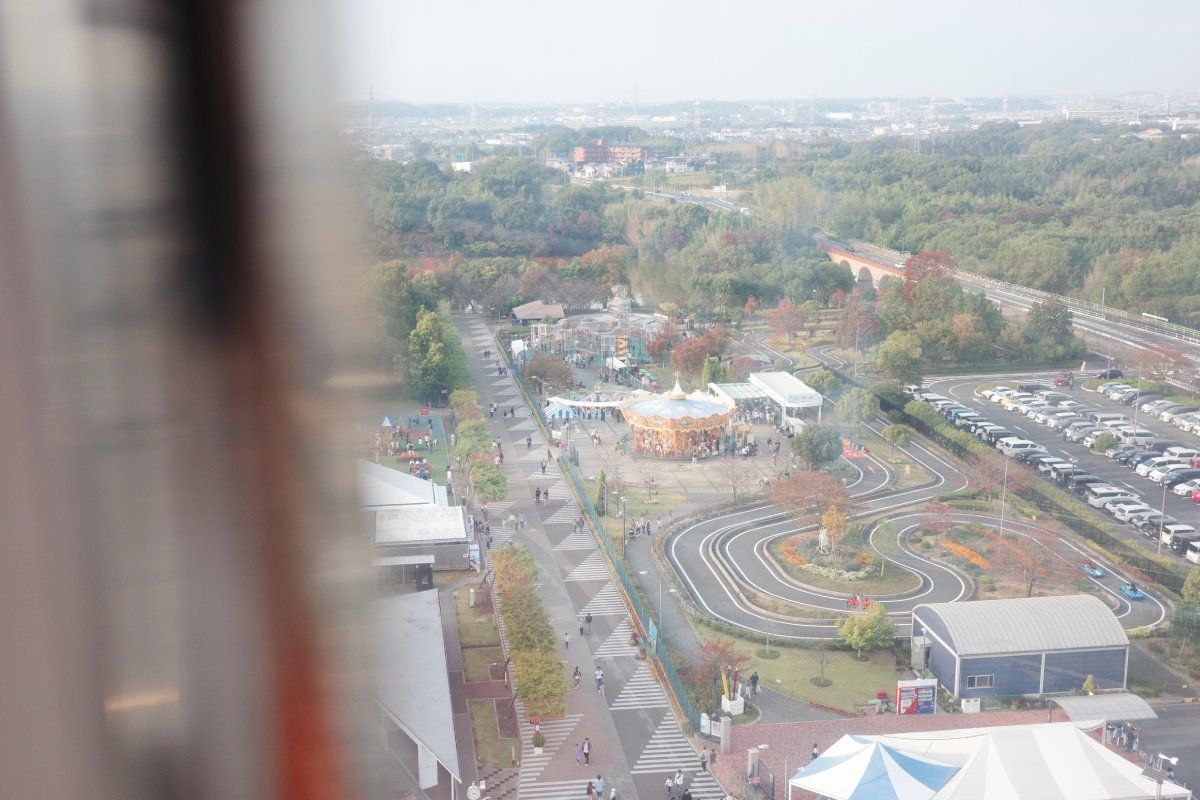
<point x="677" y="424"/>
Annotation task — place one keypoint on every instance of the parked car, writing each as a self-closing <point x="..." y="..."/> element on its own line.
<point x="1154" y="406"/>
<point x="1110" y="373"/>
<point x="1184" y="488"/>
<point x="1183" y="476"/>
<point x="1149" y="523"/>
<point x="1121" y="449"/>
<point x="1143" y="397"/>
<point x="1078" y="434"/>
<point x="1128" y="511"/>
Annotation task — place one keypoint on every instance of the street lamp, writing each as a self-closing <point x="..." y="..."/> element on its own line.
<point x="1162" y="515"/>
<point x="624" y="528"/>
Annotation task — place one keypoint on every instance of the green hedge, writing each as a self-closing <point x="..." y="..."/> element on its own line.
<point x="541" y="682"/>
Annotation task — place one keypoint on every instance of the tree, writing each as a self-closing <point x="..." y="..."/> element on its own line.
<point x="858" y="407"/>
<point x="817" y="445"/>
<point x="714" y="372"/>
<point x="824" y="381"/>
<point x="811" y="494"/>
<point x="1105" y="441"/>
<point x="662" y="342"/>
<point x="821" y="656"/>
<point x="429" y="360"/>
<point x="1025" y="559"/>
<point x="1191" y="587"/>
<point x="833" y="521"/>
<point x="900" y="357"/>
<point x="751" y="306"/>
<point x="898" y="436"/>
<point x="602" y="493"/>
<point x="736" y="475"/>
<point x="547" y="370"/>
<point x="990" y="472"/>
<point x="869" y="630"/>
<point x="786" y="319"/>
<point x="936" y="518"/>
<point x="701" y="674"/>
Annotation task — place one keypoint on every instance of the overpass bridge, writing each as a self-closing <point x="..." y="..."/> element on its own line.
<point x="866" y="262"/>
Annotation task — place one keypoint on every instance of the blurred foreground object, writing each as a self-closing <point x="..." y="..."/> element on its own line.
<point x="180" y="575"/>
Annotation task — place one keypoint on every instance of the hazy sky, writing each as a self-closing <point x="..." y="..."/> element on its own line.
<point x="584" y="51"/>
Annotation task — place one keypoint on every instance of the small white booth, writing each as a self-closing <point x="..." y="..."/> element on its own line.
<point x="790" y="394"/>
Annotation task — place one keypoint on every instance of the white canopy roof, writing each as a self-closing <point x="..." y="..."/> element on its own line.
<point x="384" y="487"/>
<point x="1049" y="761"/>
<point x="786" y="389"/>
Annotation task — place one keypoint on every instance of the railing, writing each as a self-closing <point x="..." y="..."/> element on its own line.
<point x="641" y="614"/>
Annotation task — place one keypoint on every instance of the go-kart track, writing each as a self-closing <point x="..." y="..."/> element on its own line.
<point x="722" y="561"/>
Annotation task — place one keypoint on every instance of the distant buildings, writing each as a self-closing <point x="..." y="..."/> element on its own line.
<point x="601" y="153"/>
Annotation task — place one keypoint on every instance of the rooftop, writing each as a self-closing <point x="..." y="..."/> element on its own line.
<point x="1027" y="624"/>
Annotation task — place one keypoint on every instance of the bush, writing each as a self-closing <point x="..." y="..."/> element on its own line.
<point x="766" y="655"/>
<point x="926" y="544"/>
<point x="987" y="583"/>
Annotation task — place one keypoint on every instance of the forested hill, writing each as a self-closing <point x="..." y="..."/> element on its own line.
<point x="1067" y="207"/>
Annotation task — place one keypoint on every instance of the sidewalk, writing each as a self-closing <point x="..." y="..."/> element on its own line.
<point x="635" y="738"/>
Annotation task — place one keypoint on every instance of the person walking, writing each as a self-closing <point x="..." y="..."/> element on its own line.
<point x="669" y="783"/>
<point x="537" y="495"/>
<point x="815" y="752"/>
<point x="754" y="683"/>
<point x="543" y="466"/>
<point x="567" y="640"/>
<point x="528" y="442"/>
<point x="577" y="676"/>
<point x="599" y="786"/>
<point x="599" y="678"/>
<point x="588" y="620"/>
<point x="591" y="791"/>
<point x="687" y="794"/>
<point x="679" y="782"/>
<point x="578" y="754"/>
<point x="704" y="759"/>
<point x="587" y="751"/>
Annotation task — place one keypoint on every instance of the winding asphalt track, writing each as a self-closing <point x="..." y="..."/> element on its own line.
<point x="723" y="564"/>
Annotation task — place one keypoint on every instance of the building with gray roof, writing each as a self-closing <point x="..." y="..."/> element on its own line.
<point x="1028" y="645"/>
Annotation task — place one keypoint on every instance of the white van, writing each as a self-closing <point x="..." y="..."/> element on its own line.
<point x="1011" y="447"/>
<point x="1138" y="436"/>
<point x="1100" y="493"/>
<point x="1113" y="424"/>
<point x="1182" y="453"/>
<point x="1151" y="464"/>
<point x="1101" y="417"/>
<point x="1178" y="536"/>
<point x="1193" y="553"/>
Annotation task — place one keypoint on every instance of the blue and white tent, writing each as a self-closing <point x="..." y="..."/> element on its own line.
<point x="856" y="768"/>
<point x="556" y="410"/>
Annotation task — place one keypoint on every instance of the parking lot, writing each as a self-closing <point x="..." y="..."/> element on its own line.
<point x="964" y="392"/>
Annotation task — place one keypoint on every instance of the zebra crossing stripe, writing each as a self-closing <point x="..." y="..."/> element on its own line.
<point x="556" y="732"/>
<point x="502" y="537"/>
<point x="669" y="750"/>
<point x="568" y="512"/>
<point x="578" y="540"/>
<point x="593" y="568"/>
<point x="617" y="644"/>
<point x="641" y="691"/>
<point x="554" y="790"/>
<point x="606" y="603"/>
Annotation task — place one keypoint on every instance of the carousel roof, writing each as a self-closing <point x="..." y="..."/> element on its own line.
<point x="676" y="404"/>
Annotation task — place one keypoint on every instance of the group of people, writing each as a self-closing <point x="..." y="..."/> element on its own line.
<point x="541" y="495"/>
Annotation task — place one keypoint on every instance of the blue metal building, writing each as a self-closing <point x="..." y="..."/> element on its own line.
<point x="1029" y="645"/>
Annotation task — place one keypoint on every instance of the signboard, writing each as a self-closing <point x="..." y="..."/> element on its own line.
<point x="916" y="697"/>
<point x="705" y="724"/>
<point x="652" y="631"/>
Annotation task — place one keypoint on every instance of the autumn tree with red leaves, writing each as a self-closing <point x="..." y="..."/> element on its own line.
<point x="987" y="473"/>
<point x="810" y="494"/>
<point x="786" y="319"/>
<point x="936" y="518"/>
<point x="702" y="674"/>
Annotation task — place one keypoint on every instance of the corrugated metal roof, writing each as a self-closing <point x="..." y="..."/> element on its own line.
<point x="1027" y="624"/>
<point x="1118" y="705"/>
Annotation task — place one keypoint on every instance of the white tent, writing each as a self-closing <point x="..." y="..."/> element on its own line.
<point x="1049" y="761"/>
<point x="858" y="768"/>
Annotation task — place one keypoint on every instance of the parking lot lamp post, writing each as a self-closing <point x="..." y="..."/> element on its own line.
<point x="1003" y="496"/>
<point x="1162" y="511"/>
<point x="624" y="528"/>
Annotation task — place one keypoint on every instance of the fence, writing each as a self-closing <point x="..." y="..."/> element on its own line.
<point x="642" y="615"/>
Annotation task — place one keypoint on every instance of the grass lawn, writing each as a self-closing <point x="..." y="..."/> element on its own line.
<point x="854" y="682"/>
<point x="637" y="505"/>
<point x="908" y="472"/>
<point x="490" y="749"/>
<point x="474" y="627"/>
<point x="476" y="660"/>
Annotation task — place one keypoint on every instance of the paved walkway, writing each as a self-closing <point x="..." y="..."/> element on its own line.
<point x="635" y="738"/>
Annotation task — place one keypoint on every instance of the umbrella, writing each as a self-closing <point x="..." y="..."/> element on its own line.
<point x="863" y="769"/>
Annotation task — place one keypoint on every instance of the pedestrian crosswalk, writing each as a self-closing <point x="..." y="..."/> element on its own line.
<point x="502" y="536"/>
<point x="617" y="644"/>
<point x="578" y="540"/>
<point x="556" y="732"/>
<point x="641" y="691"/>
<point x="567" y="513"/>
<point x="593" y="568"/>
<point x="606" y="603"/>
<point x="669" y="750"/>
<point x="554" y="790"/>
